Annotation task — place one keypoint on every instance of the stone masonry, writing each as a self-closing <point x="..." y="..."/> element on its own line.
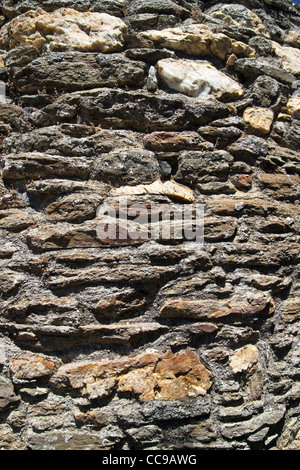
<point x="124" y="344"/>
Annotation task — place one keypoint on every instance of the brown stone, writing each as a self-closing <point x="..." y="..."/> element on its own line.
<point x="251" y="207"/>
<point x="148" y="376"/>
<point x="216" y="309"/>
<point x="32" y="368"/>
<point x="282" y="186"/>
<point x="74" y="208"/>
<point x="291" y="309"/>
<point x="96" y="418"/>
<point x="173" y="141"/>
<point x="16" y="220"/>
<point x="260" y="120"/>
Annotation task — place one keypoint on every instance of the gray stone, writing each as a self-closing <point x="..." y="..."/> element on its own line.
<point x="126" y="167"/>
<point x="252" y="68"/>
<point x="203" y="167"/>
<point x="8" y="398"/>
<point x="70" y="71"/>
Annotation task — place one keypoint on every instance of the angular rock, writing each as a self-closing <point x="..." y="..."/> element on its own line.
<point x="239" y="15"/>
<point x="255" y="67"/>
<point x="264" y="91"/>
<point x="198" y="79"/>
<point x="291" y="309"/>
<point x="21" y="56"/>
<point x="8" y="398"/>
<point x="244" y="358"/>
<point x="149" y="377"/>
<point x="260" y="120"/>
<point x="290" y="437"/>
<point x="124" y="167"/>
<point x="198" y="40"/>
<point x="249" y="148"/>
<point x="267" y="418"/>
<point x="32" y="368"/>
<point x="202" y="167"/>
<point x="9" y="280"/>
<point x="293" y="107"/>
<point x="289" y="58"/>
<point x="65" y="28"/>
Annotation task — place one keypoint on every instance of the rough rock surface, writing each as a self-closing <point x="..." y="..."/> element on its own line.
<point x="111" y="342"/>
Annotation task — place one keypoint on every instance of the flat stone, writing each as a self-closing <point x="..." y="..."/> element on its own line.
<point x="74" y="208"/>
<point x="71" y="71"/>
<point x="251" y="67"/>
<point x="30" y="166"/>
<point x="246" y="428"/>
<point x="168" y="188"/>
<point x="76" y="441"/>
<point x="198" y="40"/>
<point x="65" y="28"/>
<point x="140" y="110"/>
<point x="217" y="309"/>
<point x="198" y="79"/>
<point x="16" y="220"/>
<point x="169" y="141"/>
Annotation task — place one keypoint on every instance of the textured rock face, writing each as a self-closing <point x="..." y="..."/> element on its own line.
<point x="152" y="341"/>
<point x="65" y="28"/>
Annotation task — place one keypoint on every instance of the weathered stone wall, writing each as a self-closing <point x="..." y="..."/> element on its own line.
<point x="149" y="344"/>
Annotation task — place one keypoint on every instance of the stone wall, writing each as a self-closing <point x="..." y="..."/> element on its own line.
<point x="149" y="344"/>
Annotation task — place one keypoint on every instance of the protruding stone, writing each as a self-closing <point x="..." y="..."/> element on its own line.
<point x="65" y="28"/>
<point x="149" y="377"/>
<point x="198" y="79"/>
<point x="260" y="120"/>
<point x="244" y="358"/>
<point x="32" y="368"/>
<point x="217" y="309"/>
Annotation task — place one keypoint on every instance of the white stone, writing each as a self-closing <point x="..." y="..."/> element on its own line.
<point x="289" y="58"/>
<point x="198" y="79"/>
